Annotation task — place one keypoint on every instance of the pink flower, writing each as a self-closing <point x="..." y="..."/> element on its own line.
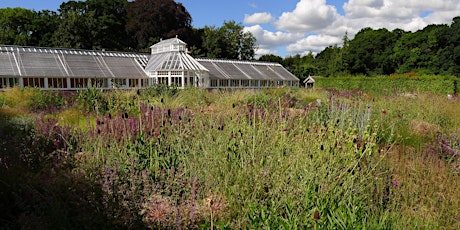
<point x="384" y="112"/>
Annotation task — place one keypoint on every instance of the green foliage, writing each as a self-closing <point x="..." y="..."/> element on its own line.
<point x="160" y="90"/>
<point x="228" y="41"/>
<point x="16" y="26"/>
<point x="398" y="83"/>
<point x="302" y="67"/>
<point x="271" y="58"/>
<point x="50" y="100"/>
<point x="151" y="20"/>
<point x="369" y="52"/>
<point x="92" y="100"/>
<point x="93" y="24"/>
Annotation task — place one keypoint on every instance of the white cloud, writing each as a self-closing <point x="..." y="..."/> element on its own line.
<point x="308" y="16"/>
<point x="268" y="41"/>
<point x="260" y="52"/>
<point x="398" y="14"/>
<point x="258" y="18"/>
<point x="267" y="38"/>
<point x="313" y="24"/>
<point x="313" y="43"/>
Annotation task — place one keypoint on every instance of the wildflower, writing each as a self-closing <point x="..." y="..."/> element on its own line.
<point x="395" y="184"/>
<point x="384" y="112"/>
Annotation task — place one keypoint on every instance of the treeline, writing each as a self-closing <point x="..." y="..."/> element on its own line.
<point x="434" y="50"/>
<point x="122" y="25"/>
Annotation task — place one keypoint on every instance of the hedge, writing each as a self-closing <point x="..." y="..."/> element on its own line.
<point x="399" y="83"/>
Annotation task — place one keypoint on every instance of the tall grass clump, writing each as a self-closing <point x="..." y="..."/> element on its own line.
<point x="16" y="101"/>
<point x="282" y="172"/>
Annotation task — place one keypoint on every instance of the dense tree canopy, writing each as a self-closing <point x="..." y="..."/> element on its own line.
<point x="370" y="51"/>
<point x="229" y="41"/>
<point x="93" y="24"/>
<point x="16" y="26"/>
<point x="150" y="20"/>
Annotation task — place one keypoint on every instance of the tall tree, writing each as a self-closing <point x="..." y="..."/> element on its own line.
<point x="271" y="58"/>
<point x="92" y="24"/>
<point x="212" y="42"/>
<point x="76" y="27"/>
<point x="110" y="16"/>
<point x="329" y="61"/>
<point x="229" y="41"/>
<point x="44" y="26"/>
<point x="150" y="20"/>
<point x="16" y="26"/>
<point x="369" y="52"/>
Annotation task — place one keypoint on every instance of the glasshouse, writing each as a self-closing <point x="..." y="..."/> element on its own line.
<point x="169" y="63"/>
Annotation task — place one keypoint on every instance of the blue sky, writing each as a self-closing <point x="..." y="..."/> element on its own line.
<point x="289" y="27"/>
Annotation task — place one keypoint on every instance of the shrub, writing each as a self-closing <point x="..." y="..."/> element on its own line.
<point x="92" y="100"/>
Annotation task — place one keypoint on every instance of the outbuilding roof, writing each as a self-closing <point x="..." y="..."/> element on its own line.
<point x="54" y="62"/>
<point x="251" y="70"/>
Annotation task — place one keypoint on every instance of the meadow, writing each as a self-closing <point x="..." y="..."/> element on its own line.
<point x="163" y="158"/>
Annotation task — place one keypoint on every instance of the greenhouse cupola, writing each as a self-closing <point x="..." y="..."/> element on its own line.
<point x="170" y="64"/>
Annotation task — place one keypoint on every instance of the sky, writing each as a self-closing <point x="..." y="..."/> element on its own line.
<point x="289" y="27"/>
